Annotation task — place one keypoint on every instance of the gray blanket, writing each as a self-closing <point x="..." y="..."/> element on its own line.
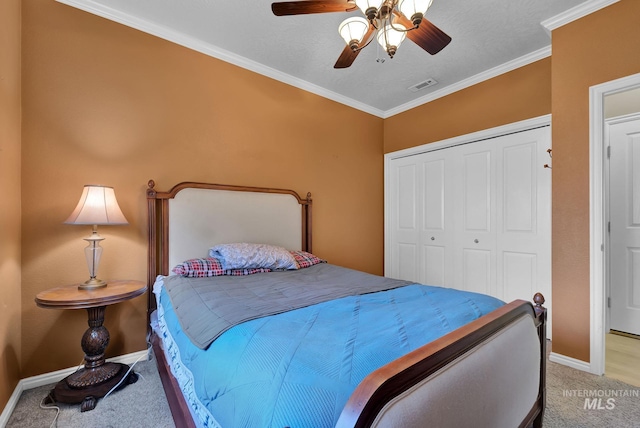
<point x="207" y="307"/>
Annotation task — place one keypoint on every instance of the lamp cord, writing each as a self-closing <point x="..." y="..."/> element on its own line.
<point x="127" y="374"/>
<point x="49" y="398"/>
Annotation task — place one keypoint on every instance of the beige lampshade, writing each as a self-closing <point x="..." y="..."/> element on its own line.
<point x="97" y="206"/>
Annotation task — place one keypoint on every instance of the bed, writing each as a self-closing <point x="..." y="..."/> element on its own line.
<point x="312" y="344"/>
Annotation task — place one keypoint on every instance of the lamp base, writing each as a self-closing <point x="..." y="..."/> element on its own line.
<point x="92" y="284"/>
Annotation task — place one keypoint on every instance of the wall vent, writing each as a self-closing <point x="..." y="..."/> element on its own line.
<point x="422" y="85"/>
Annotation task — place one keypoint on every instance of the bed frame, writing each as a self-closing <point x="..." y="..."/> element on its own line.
<point x="457" y="380"/>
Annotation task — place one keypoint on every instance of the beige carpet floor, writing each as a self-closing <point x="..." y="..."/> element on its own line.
<point x="570" y="404"/>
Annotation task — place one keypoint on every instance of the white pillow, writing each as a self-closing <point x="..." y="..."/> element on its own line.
<point x="253" y="256"/>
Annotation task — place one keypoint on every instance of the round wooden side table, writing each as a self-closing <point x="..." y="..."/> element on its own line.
<point x="97" y="377"/>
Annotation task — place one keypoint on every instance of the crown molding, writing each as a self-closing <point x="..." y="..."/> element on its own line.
<point x="214" y="51"/>
<point x="179" y="38"/>
<point x="473" y="80"/>
<point x="575" y="13"/>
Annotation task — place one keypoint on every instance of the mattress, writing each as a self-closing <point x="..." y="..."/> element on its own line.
<point x="298" y="368"/>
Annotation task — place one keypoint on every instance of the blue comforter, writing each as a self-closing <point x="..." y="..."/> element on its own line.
<point x="297" y="369"/>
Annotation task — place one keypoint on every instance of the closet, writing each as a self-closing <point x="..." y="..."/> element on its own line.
<point x="474" y="216"/>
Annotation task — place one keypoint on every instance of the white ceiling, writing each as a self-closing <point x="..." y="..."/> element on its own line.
<point x="489" y="37"/>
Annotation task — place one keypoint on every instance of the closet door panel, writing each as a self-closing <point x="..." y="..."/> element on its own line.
<point x="477" y="192"/>
<point x="475" y="237"/>
<point x="519" y="188"/>
<point x="517" y="262"/>
<point x="407" y="266"/>
<point x="405" y="215"/>
<point x="434" y="264"/>
<point x="406" y="205"/>
<point x="519" y="274"/>
<point x="434" y="177"/>
<point x="524" y="216"/>
<point x="477" y="270"/>
<point x="518" y="219"/>
<point x="436" y="238"/>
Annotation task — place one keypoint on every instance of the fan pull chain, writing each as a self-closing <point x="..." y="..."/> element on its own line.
<point x="379" y="60"/>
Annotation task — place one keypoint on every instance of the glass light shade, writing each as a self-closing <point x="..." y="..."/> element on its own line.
<point x="97" y="205"/>
<point x="353" y="29"/>
<point x="393" y="37"/>
<point x="364" y="5"/>
<point x="411" y="7"/>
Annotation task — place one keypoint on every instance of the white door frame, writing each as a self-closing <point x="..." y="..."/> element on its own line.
<point x="597" y="215"/>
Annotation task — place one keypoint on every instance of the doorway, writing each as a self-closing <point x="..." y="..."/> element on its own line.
<point x="599" y="251"/>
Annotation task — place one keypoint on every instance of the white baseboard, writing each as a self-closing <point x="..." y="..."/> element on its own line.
<point x="571" y="362"/>
<point x="53" y="377"/>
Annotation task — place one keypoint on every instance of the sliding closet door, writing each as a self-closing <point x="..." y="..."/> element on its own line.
<point x="475" y="216"/>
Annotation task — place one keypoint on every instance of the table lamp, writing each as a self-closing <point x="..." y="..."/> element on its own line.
<point x="97" y="206"/>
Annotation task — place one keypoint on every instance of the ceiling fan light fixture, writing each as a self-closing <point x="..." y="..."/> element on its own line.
<point x="369" y="7"/>
<point x="352" y="30"/>
<point x="386" y="20"/>
<point x="390" y="38"/>
<point x="414" y="9"/>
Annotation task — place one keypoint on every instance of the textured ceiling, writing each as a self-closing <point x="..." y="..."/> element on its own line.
<point x="489" y="36"/>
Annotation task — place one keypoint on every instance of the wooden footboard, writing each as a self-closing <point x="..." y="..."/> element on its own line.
<point x="448" y="383"/>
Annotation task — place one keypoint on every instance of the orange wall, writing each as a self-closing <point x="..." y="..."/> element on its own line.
<point x="520" y="94"/>
<point x="106" y="104"/>
<point x="10" y="318"/>
<point x="599" y="48"/>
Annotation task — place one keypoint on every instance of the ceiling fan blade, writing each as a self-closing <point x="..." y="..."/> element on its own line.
<point x="427" y="36"/>
<point x="346" y="58"/>
<point x="348" y="55"/>
<point x="302" y="7"/>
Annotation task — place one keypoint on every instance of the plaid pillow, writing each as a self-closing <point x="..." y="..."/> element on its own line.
<point x="305" y="259"/>
<point x="200" y="268"/>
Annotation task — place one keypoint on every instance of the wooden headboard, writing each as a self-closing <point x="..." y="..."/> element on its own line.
<point x="187" y="220"/>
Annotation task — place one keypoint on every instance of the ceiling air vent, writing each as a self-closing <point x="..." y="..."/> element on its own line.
<point x="422" y="85"/>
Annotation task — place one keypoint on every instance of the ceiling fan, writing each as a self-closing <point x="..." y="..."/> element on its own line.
<point x="392" y="20"/>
